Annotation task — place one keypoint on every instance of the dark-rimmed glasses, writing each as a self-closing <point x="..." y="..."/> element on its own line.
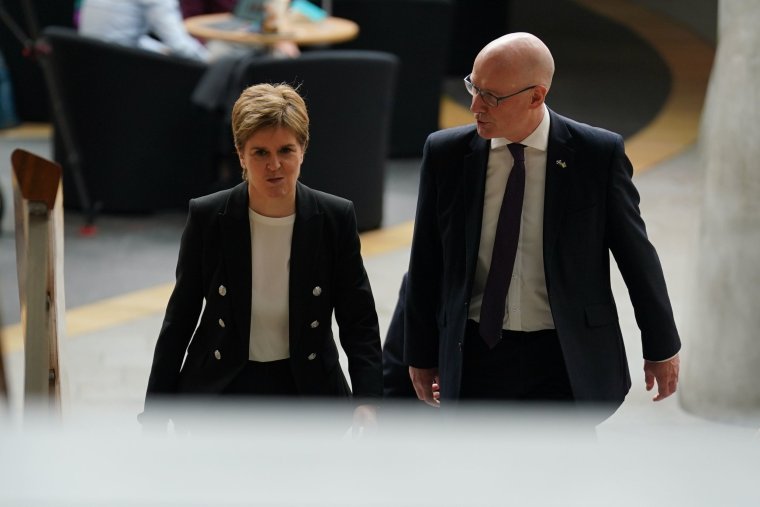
<point x="489" y="98"/>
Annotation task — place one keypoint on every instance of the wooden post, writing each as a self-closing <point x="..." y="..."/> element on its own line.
<point x="39" y="257"/>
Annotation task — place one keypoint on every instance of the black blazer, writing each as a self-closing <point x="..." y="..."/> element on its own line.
<point x="591" y="208"/>
<point x="326" y="273"/>
<point x="396" y="380"/>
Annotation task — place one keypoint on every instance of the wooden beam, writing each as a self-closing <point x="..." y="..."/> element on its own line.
<point x="39" y="258"/>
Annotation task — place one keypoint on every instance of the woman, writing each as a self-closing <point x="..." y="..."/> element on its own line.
<point x="271" y="258"/>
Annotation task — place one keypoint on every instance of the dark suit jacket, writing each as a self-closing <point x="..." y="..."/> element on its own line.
<point x="396" y="380"/>
<point x="590" y="209"/>
<point x="326" y="274"/>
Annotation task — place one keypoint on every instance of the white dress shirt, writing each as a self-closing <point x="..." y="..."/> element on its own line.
<point x="527" y="306"/>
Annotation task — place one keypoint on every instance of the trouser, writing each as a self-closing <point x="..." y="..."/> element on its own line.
<point x="271" y="378"/>
<point x="523" y="366"/>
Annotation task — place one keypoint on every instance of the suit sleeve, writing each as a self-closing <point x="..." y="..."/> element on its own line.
<point x="182" y="312"/>
<point x="639" y="263"/>
<point x="356" y="315"/>
<point x="424" y="277"/>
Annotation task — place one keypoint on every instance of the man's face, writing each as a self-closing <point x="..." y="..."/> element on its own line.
<point x="508" y="119"/>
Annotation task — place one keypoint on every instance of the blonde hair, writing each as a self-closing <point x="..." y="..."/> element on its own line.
<point x="269" y="105"/>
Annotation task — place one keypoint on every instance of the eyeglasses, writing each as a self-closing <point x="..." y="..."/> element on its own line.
<point x="489" y="98"/>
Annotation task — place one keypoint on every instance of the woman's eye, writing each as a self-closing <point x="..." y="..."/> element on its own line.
<point x="259" y="153"/>
<point x="286" y="149"/>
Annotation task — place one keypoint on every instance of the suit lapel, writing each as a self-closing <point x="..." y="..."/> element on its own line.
<point x="307" y="231"/>
<point x="236" y="248"/>
<point x="475" y="167"/>
<point x="560" y="159"/>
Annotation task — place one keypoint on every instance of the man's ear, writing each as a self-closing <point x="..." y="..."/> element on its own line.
<point x="538" y="95"/>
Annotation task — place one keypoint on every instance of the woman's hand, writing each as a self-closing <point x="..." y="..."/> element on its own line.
<point x="365" y="420"/>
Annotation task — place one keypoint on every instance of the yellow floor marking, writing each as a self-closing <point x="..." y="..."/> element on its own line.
<point x="689" y="59"/>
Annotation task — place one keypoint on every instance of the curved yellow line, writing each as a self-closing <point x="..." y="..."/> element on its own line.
<point x="689" y="59"/>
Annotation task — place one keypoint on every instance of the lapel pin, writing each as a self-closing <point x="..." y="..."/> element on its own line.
<point x="562" y="164"/>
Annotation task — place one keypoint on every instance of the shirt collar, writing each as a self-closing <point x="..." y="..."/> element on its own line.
<point x="538" y="139"/>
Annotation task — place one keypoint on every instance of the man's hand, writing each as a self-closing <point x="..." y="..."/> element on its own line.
<point x="423" y="380"/>
<point x="666" y="374"/>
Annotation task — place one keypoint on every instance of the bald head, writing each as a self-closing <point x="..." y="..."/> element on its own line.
<point x="521" y="55"/>
<point x="514" y="73"/>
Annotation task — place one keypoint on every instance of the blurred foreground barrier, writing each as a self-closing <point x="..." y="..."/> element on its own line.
<point x="37" y="197"/>
<point x="3" y="385"/>
<point x="297" y="455"/>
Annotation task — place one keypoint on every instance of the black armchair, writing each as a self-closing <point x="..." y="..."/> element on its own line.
<point x="417" y="31"/>
<point x="349" y="95"/>
<point x="143" y="144"/>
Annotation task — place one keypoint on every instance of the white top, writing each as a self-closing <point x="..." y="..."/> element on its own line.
<point x="527" y="299"/>
<point x="270" y="259"/>
<point x="128" y="22"/>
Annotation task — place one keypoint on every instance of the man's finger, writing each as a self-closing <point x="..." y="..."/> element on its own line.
<point x="649" y="380"/>
<point x="666" y="388"/>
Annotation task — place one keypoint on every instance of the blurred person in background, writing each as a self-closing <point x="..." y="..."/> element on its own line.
<point x="198" y="7"/>
<point x="154" y="25"/>
<point x="220" y="49"/>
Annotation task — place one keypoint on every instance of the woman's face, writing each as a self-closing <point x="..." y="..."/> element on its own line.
<point x="272" y="159"/>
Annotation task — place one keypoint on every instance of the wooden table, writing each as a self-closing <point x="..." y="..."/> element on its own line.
<point x="304" y="33"/>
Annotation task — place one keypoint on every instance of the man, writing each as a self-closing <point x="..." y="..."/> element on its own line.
<point x="556" y="336"/>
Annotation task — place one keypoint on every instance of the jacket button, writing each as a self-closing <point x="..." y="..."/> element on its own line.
<point x="221" y="323"/>
<point x="312" y="356"/>
<point x="317" y="290"/>
<point x="222" y="290"/>
<point x="314" y="324"/>
<point x="217" y="354"/>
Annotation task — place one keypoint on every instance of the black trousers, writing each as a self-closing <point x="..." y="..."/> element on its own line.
<point x="271" y="378"/>
<point x="523" y="366"/>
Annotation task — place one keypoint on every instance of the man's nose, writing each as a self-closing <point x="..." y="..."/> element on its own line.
<point x="477" y="105"/>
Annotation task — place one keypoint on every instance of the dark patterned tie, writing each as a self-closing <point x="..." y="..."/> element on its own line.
<point x="504" y="251"/>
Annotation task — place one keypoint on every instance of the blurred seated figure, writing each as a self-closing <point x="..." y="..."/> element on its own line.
<point x="221" y="49"/>
<point x="198" y="7"/>
<point x="135" y="23"/>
